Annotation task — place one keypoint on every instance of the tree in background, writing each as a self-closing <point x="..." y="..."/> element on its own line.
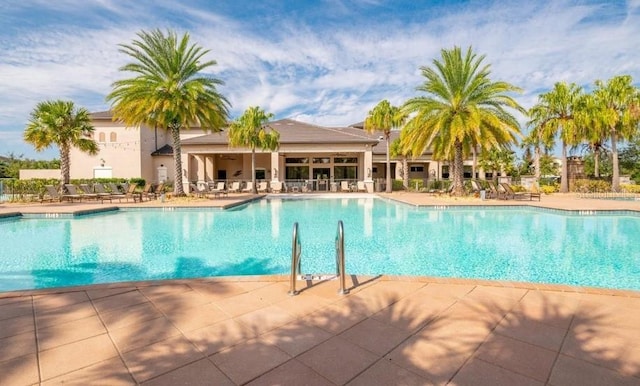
<point x="251" y="130"/>
<point x="619" y="109"/>
<point x="169" y="90"/>
<point x="11" y="165"/>
<point x="384" y="117"/>
<point x="62" y="124"/>
<point x="463" y="108"/>
<point x="397" y="151"/>
<point x="553" y="115"/>
<point x="498" y="160"/>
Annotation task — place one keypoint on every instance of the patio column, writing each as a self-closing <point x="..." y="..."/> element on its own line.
<point x="368" y="169"/>
<point x="275" y="166"/>
<point x="208" y="168"/>
<point x="200" y="171"/>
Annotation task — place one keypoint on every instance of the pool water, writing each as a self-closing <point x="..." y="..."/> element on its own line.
<point x="381" y="237"/>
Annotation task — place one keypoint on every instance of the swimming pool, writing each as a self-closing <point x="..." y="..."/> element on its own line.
<point x="381" y="237"/>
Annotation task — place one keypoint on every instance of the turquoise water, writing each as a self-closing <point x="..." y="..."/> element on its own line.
<point x="380" y="238"/>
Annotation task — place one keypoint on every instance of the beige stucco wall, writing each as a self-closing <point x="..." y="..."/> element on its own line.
<point x="27" y="174"/>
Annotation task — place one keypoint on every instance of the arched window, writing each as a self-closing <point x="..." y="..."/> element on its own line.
<point x="101" y="137"/>
<point x="113" y="137"/>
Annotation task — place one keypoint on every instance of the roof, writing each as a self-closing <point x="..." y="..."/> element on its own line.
<point x="296" y="132"/>
<point x="164" y="150"/>
<point x="101" y="115"/>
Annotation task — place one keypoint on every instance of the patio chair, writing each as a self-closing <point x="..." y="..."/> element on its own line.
<point x="511" y="194"/>
<point x="344" y="186"/>
<point x="263" y="187"/>
<point x="130" y="192"/>
<point x="361" y="187"/>
<point x="248" y="187"/>
<point x="495" y="192"/>
<point x="196" y="191"/>
<point x="74" y="193"/>
<point x="276" y="187"/>
<point x="51" y="194"/>
<point x="235" y="187"/>
<point x="102" y="194"/>
<point x="219" y="190"/>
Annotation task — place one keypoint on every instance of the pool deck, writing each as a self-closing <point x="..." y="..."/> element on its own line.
<point x="386" y="331"/>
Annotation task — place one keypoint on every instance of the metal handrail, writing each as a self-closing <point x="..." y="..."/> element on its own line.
<point x="296" y="251"/>
<point x="340" y="258"/>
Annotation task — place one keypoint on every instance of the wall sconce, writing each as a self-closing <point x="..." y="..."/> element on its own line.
<point x="102" y="161"/>
<point x="275" y="173"/>
<point x="368" y="172"/>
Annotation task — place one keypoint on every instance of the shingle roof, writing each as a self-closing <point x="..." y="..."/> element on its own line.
<point x="164" y="150"/>
<point x="101" y="115"/>
<point x="295" y="132"/>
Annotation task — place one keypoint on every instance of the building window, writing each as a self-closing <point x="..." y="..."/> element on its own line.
<point x="345" y="160"/>
<point x="323" y="160"/>
<point x="261" y="174"/>
<point x="297" y="160"/>
<point x="445" y="171"/>
<point x="102" y="137"/>
<point x="468" y="171"/>
<point x="113" y="137"/>
<point x="345" y="173"/>
<point x="416" y="169"/>
<point x="297" y="173"/>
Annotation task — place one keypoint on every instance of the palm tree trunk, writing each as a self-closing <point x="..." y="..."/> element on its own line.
<point x="458" y="169"/>
<point x="65" y="164"/>
<point x="615" y="181"/>
<point x="178" y="189"/>
<point x="564" y="175"/>
<point x="253" y="170"/>
<point x="596" y="163"/>
<point x="405" y="172"/>
<point x="387" y="134"/>
<point x="536" y="164"/>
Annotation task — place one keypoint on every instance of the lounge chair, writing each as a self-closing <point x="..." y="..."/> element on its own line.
<point x="219" y="190"/>
<point x="51" y="194"/>
<point x="248" y="188"/>
<point x="344" y="186"/>
<point x="98" y="189"/>
<point x="495" y="192"/>
<point x="199" y="192"/>
<point x="361" y="187"/>
<point x="130" y="192"/>
<point x="263" y="187"/>
<point x="511" y="194"/>
<point x="74" y="193"/>
<point x="276" y="187"/>
<point x="235" y="187"/>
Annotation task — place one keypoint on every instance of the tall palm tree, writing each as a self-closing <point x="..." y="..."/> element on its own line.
<point x="397" y="151"/>
<point x="384" y="117"/>
<point x="591" y="116"/>
<point x="168" y="90"/>
<point x="62" y="124"/>
<point x="250" y="130"/>
<point x="621" y="102"/>
<point x="463" y="108"/>
<point x="538" y="138"/>
<point x="555" y="115"/>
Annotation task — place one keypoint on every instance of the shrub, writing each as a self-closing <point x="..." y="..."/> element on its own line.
<point x="518" y="188"/>
<point x="138" y="181"/>
<point x="396" y="185"/>
<point x="630" y="188"/>
<point x="591" y="186"/>
<point x="548" y="189"/>
<point x="416" y="184"/>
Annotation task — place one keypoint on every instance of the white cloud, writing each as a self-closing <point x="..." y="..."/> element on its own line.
<point x="324" y="74"/>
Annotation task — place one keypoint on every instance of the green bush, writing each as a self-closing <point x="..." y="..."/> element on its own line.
<point x="396" y="185"/>
<point x="591" y="186"/>
<point x="630" y="188"/>
<point x="138" y="181"/>
<point x="518" y="188"/>
<point x="548" y="189"/>
<point x="416" y="184"/>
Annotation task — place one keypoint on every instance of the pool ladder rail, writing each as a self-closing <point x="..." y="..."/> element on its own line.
<point x="296" y="253"/>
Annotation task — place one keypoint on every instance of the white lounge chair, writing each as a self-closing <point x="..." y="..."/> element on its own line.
<point x="263" y="187"/>
<point x="248" y="188"/>
<point x="361" y="186"/>
<point x="276" y="187"/>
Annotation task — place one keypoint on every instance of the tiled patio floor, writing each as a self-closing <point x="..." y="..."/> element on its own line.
<point x="387" y="331"/>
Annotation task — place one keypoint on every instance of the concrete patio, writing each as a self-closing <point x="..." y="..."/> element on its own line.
<point x="387" y="331"/>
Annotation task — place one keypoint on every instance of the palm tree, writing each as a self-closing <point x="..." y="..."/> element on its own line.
<point x="62" y="124"/>
<point x="397" y="151"/>
<point x="384" y="117"/>
<point x="463" y="108"/>
<point x="169" y="90"/>
<point x="250" y="130"/>
<point x="620" y="101"/>
<point x="554" y="115"/>
<point x="591" y="116"/>
<point x="538" y="138"/>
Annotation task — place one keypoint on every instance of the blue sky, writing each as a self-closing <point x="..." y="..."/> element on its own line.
<point x="325" y="62"/>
